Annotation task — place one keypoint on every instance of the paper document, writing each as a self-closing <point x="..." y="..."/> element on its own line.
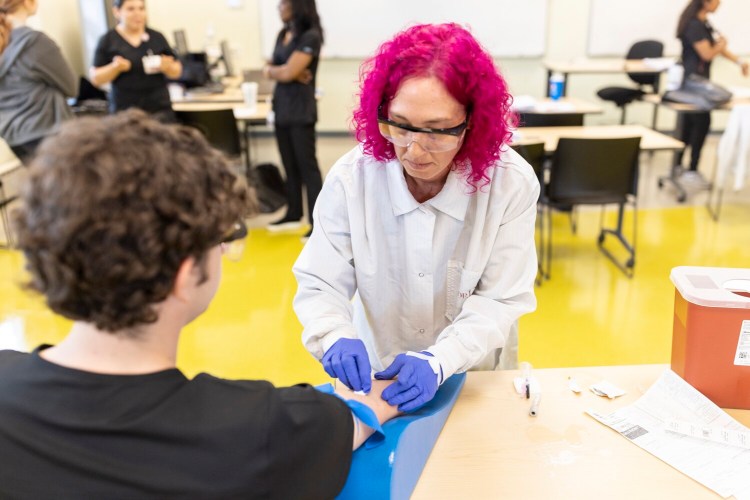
<point x="658" y="63"/>
<point x="650" y="423"/>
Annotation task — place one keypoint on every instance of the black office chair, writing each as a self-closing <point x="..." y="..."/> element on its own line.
<point x="218" y="126"/>
<point x="596" y="172"/>
<point x="622" y="96"/>
<point x="529" y="119"/>
<point x="534" y="154"/>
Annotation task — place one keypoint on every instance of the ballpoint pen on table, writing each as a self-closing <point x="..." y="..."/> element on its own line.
<point x="534" y="409"/>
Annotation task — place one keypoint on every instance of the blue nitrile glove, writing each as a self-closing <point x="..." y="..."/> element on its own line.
<point x="347" y="361"/>
<point x="418" y="379"/>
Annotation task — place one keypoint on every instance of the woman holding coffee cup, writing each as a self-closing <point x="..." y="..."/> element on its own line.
<point x="137" y="61"/>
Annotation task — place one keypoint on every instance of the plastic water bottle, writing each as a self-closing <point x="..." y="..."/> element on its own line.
<point x="556" y="86"/>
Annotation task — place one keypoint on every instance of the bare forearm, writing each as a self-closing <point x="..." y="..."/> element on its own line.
<point x="383" y="411"/>
<point x="174" y="70"/>
<point x="730" y="55"/>
<point x="104" y="74"/>
<point x="280" y="73"/>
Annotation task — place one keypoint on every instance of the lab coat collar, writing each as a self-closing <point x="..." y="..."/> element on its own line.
<point x="401" y="199"/>
<point x="452" y="200"/>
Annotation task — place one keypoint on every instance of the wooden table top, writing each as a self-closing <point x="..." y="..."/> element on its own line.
<point x="491" y="448"/>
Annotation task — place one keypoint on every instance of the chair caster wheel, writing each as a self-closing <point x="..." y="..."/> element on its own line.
<point x="681" y="198"/>
<point x="660" y="183"/>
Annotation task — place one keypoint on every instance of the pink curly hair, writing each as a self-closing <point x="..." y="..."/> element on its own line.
<point x="452" y="55"/>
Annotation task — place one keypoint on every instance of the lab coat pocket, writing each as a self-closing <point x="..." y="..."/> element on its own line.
<point x="461" y="284"/>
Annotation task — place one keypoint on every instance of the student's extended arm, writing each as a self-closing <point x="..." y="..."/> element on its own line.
<point x="382" y="409"/>
<point x="744" y="66"/>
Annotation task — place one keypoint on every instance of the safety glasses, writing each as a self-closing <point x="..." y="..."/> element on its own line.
<point x="233" y="241"/>
<point x="433" y="140"/>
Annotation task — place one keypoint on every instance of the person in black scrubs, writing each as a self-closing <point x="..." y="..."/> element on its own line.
<point x="131" y="251"/>
<point x="137" y="61"/>
<point x="294" y="66"/>
<point x="701" y="43"/>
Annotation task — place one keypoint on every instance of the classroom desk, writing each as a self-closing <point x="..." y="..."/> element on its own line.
<point x="651" y="140"/>
<point x="491" y="448"/>
<point x="241" y="111"/>
<point x="687" y="108"/>
<point x="564" y="109"/>
<point x="596" y="66"/>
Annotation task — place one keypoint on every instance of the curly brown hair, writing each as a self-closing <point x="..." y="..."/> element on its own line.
<point x="111" y="209"/>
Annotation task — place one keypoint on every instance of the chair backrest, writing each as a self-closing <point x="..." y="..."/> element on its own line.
<point x="534" y="154"/>
<point x="218" y="126"/>
<point x="550" y="120"/>
<point x="594" y="171"/>
<point x="642" y="50"/>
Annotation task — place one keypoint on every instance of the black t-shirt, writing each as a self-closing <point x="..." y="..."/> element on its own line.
<point x="68" y="434"/>
<point x="294" y="102"/>
<point x="695" y="31"/>
<point x="135" y="88"/>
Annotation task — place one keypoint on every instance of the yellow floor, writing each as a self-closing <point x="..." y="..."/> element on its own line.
<point x="589" y="313"/>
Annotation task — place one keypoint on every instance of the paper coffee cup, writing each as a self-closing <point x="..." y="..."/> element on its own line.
<point x="176" y="92"/>
<point x="250" y="94"/>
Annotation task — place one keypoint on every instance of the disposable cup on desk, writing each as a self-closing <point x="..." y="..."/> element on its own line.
<point x="250" y="94"/>
<point x="176" y="92"/>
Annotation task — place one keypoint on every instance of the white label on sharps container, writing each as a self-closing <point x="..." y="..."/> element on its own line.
<point x="742" y="358"/>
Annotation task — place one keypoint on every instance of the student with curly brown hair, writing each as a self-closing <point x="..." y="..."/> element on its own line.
<point x="123" y="225"/>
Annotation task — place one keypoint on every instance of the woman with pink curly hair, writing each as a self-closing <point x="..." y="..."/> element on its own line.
<point x="428" y="224"/>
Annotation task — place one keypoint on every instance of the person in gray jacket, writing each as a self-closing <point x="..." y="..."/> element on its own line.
<point x="34" y="80"/>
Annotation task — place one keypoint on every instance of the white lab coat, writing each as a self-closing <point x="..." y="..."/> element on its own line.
<point x="451" y="275"/>
<point x="733" y="152"/>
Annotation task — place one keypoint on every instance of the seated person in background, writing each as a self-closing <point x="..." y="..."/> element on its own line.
<point x="123" y="225"/>
<point x="137" y="61"/>
<point x="34" y="80"/>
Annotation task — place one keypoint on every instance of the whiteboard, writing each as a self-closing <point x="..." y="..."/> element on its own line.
<point x="615" y="25"/>
<point x="355" y="28"/>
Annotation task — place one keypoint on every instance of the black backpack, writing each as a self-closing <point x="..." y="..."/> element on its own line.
<point x="270" y="187"/>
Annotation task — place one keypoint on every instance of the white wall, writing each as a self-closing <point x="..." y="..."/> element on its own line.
<point x="61" y="20"/>
<point x="567" y="26"/>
